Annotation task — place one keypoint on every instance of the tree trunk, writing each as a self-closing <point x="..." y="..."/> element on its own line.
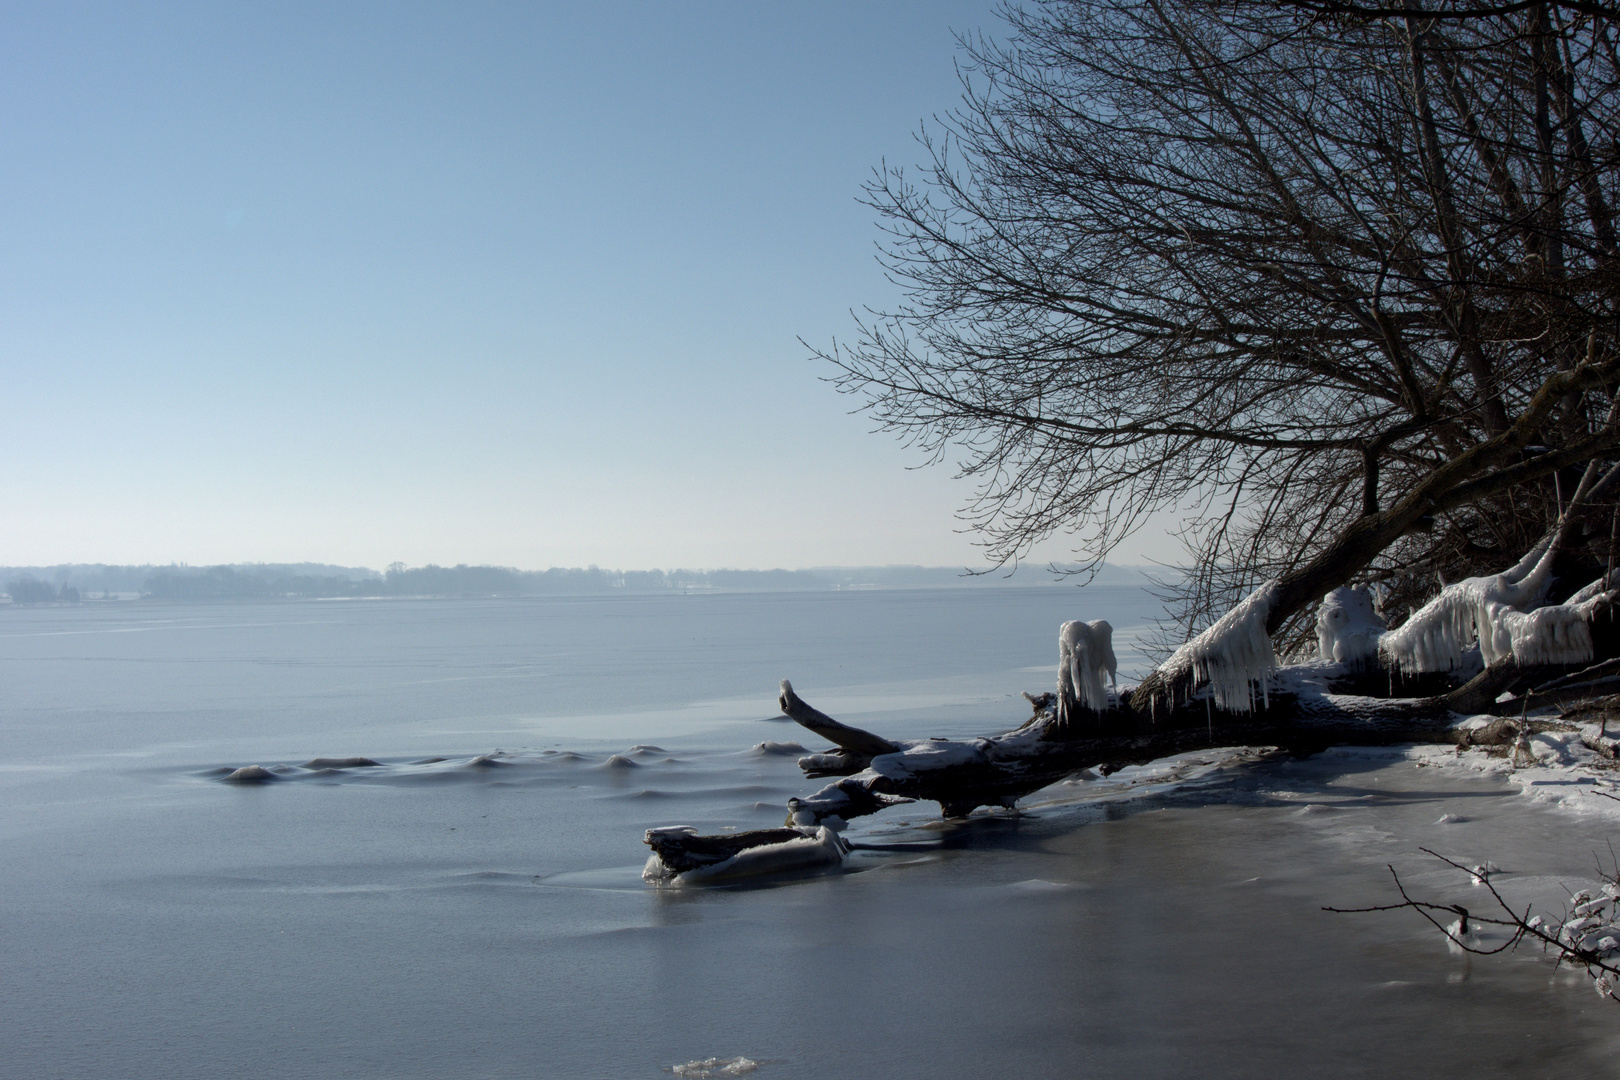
<point x="997" y="770"/>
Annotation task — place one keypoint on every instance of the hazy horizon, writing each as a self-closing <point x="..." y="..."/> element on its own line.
<point x="76" y="582"/>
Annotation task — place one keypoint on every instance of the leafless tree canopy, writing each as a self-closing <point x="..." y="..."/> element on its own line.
<point x="1297" y="269"/>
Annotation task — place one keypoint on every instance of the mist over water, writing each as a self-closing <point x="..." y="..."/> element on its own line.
<point x="434" y="870"/>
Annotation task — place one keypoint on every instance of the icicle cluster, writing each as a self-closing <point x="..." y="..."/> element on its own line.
<point x="1085" y="655"/>
<point x="1233" y="656"/>
<point x="1501" y="613"/>
<point x="1560" y="634"/>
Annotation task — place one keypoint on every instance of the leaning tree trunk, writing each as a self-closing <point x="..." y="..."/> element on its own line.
<point x="1480" y="471"/>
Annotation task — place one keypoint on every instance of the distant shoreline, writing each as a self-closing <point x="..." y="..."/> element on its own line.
<point x="102" y="583"/>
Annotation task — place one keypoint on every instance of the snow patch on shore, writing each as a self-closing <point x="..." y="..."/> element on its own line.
<point x="1562" y="772"/>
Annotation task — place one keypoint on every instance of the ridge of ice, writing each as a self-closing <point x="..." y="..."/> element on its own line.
<point x="710" y="1067"/>
<point x="818" y="846"/>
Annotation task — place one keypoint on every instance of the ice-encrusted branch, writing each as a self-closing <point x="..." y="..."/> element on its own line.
<point x="1232" y="658"/>
<point x="1588" y="933"/>
<point x="1505" y="614"/>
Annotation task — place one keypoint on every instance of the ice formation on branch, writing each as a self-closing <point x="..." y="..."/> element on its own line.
<point x="1085" y="654"/>
<point x="1503" y="614"/>
<point x="1347" y="628"/>
<point x="1233" y="656"/>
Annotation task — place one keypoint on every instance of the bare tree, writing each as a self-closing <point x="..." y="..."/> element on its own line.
<point x="1345" y="286"/>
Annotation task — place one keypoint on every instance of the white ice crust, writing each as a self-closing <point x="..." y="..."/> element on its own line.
<point x="1233" y="656"/>
<point x="1504" y="613"/>
<point x="1085" y="654"/>
<point x="1347" y="627"/>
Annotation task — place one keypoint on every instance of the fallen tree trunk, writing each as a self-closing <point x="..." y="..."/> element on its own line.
<point x="997" y="770"/>
<point x="1230" y="694"/>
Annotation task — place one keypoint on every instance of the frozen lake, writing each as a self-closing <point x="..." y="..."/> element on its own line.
<point x="471" y="907"/>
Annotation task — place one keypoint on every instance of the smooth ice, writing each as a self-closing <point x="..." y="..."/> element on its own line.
<point x="437" y="873"/>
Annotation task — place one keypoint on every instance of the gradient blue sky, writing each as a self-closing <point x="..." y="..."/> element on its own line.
<point x="516" y="284"/>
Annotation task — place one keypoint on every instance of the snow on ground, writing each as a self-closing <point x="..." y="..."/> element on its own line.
<point x="1559" y="772"/>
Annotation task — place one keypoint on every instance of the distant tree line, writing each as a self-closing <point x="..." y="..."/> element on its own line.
<point x="31" y="590"/>
<point x="262" y="581"/>
<point x="224" y="582"/>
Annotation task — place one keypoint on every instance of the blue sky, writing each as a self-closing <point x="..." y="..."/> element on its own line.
<point x="517" y="284"/>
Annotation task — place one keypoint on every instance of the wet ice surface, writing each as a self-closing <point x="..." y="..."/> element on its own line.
<point x="470" y="904"/>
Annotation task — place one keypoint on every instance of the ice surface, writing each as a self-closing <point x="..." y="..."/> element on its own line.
<point x="395" y="930"/>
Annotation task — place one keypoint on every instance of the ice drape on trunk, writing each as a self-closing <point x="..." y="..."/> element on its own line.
<point x="1505" y="613"/>
<point x="1233" y="657"/>
<point x="1347" y="627"/>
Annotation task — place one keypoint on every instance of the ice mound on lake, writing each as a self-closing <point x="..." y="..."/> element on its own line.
<point x="249" y="774"/>
<point x="342" y="763"/>
<point x="619" y="761"/>
<point x="775" y="749"/>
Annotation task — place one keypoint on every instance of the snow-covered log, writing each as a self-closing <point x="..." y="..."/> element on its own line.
<point x="997" y="770"/>
<point x="1231" y="667"/>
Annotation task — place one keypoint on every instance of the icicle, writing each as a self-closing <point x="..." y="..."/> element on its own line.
<point x="1493" y="610"/>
